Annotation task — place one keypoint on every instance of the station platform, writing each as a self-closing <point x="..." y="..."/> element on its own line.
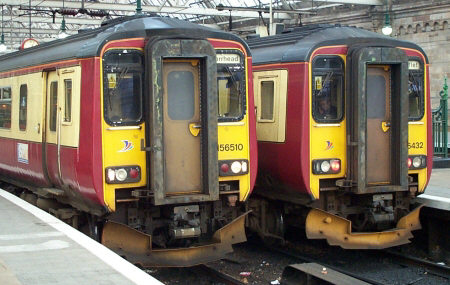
<point x="437" y="193"/>
<point x="37" y="248"/>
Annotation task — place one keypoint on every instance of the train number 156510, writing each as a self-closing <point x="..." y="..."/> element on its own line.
<point x="230" y="147"/>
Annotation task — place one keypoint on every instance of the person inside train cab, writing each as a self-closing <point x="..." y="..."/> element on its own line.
<point x="325" y="109"/>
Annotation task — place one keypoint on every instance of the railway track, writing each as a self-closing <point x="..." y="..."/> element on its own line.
<point x="309" y="259"/>
<point x="218" y="276"/>
<point x="431" y="267"/>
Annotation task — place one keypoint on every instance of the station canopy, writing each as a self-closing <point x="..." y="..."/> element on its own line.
<point x="46" y="20"/>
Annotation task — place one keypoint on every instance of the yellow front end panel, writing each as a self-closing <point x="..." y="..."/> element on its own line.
<point x="122" y="148"/>
<point x="233" y="143"/>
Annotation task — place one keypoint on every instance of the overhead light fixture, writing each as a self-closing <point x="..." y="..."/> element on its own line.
<point x="3" y="47"/>
<point x="62" y="33"/>
<point x="387" y="29"/>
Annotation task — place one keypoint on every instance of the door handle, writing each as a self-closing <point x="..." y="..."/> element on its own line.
<point x="195" y="128"/>
<point x="38" y="128"/>
<point x="385" y="126"/>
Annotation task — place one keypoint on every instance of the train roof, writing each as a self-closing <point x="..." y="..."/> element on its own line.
<point x="89" y="43"/>
<point x="299" y="43"/>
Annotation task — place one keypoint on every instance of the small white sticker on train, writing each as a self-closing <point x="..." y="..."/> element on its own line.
<point x="22" y="152"/>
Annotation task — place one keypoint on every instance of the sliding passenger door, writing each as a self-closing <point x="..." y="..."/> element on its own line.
<point x="61" y="136"/>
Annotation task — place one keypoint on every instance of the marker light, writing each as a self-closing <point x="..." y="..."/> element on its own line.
<point x="335" y="165"/>
<point x="121" y="174"/>
<point x="236" y="167"/>
<point x="224" y="168"/>
<point x="417" y="162"/>
<point x="111" y="174"/>
<point x="244" y="166"/>
<point x="325" y="166"/>
<point x="134" y="173"/>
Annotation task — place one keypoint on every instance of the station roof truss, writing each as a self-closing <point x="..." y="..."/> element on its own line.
<point x="42" y="19"/>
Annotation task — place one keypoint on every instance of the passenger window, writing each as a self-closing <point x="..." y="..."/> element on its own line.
<point x="23" y="104"/>
<point x="270" y="101"/>
<point x="328" y="89"/>
<point x="68" y="100"/>
<point x="53" y="104"/>
<point x="415" y="90"/>
<point x="122" y="87"/>
<point x="5" y="107"/>
<point x="267" y="97"/>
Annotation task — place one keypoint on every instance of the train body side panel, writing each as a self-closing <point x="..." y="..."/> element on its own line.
<point x="292" y="157"/>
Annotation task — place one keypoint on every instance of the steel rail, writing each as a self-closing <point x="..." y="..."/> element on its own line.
<point x="310" y="259"/>
<point x="216" y="275"/>
<point x="431" y="267"/>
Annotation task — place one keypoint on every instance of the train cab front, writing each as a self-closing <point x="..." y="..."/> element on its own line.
<point x="162" y="166"/>
<point x="375" y="158"/>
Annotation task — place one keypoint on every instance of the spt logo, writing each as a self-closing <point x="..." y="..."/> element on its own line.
<point x="127" y="146"/>
<point x="330" y="145"/>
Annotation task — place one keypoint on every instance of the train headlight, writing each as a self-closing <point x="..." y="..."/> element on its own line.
<point x="417" y="162"/>
<point x="237" y="167"/>
<point x="326" y="166"/>
<point x="123" y="174"/>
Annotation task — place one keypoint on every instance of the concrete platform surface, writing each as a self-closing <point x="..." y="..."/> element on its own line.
<point x="37" y="248"/>
<point x="437" y="193"/>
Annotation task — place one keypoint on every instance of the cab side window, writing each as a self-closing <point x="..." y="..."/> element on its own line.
<point x="327" y="89"/>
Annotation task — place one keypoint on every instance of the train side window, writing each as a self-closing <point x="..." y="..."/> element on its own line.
<point x="415" y="90"/>
<point x="267" y="98"/>
<point x="23" y="105"/>
<point x="5" y="107"/>
<point x="328" y="89"/>
<point x="68" y="100"/>
<point x="122" y="87"/>
<point x="270" y="101"/>
<point x="53" y="104"/>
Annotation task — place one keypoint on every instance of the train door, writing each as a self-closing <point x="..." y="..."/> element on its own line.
<point x="377" y="119"/>
<point x="378" y="124"/>
<point x="62" y="121"/>
<point x="182" y="121"/>
<point x="52" y="128"/>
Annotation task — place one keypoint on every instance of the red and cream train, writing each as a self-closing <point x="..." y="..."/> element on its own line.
<point x="122" y="124"/>
<point x="344" y="135"/>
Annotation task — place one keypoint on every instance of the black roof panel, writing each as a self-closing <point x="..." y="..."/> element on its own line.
<point x="298" y="44"/>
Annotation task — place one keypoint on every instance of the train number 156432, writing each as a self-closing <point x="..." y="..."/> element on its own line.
<point x="230" y="147"/>
<point x="415" y="145"/>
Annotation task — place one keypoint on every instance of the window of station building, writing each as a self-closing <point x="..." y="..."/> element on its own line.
<point x="67" y="100"/>
<point x="5" y="107"/>
<point x="328" y="89"/>
<point x="267" y="100"/>
<point x="53" y="104"/>
<point x="23" y="105"/>
<point x="122" y="87"/>
<point x="230" y="85"/>
<point x="415" y="90"/>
